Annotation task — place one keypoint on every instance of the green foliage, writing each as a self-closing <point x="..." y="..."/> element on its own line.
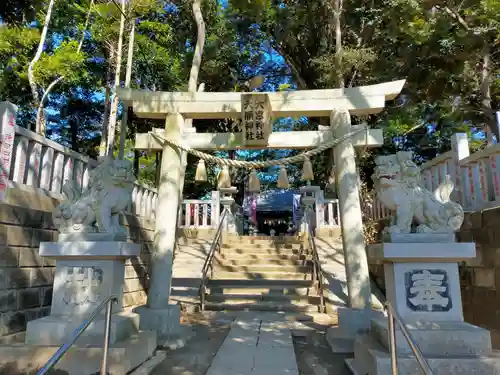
<point x="382" y="41"/>
<point x="65" y="61"/>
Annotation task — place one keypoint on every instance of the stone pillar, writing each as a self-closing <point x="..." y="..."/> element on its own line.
<point x="159" y="315"/>
<point x="356" y="264"/>
<point x="8" y="132"/>
<point x="215" y="208"/>
<point x="227" y="201"/>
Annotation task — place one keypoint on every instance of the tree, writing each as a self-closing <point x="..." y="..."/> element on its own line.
<point x="38" y="54"/>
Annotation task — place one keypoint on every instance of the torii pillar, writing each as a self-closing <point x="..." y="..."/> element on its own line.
<point x="159" y="315"/>
<point x="356" y="262"/>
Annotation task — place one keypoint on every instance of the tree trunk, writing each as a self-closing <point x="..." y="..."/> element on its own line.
<point x="488" y="112"/>
<point x="193" y="75"/>
<point x="40" y="117"/>
<point x="338" y="43"/>
<point x="200" y="44"/>
<point x="128" y="77"/>
<point x="38" y="54"/>
<point x="114" y="104"/>
<point x="73" y="124"/>
<point x="107" y="105"/>
<point x="330" y="164"/>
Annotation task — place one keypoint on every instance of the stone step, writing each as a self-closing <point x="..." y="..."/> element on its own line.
<point x="259" y="283"/>
<point x="192" y="282"/>
<point x="248" y="246"/>
<point x="261" y="240"/>
<point x="262" y="275"/>
<point x="261" y="306"/>
<point x="267" y="261"/>
<point x="270" y="291"/>
<point x="261" y="268"/>
<point x="260" y="251"/>
<point x="185" y="291"/>
<point x="252" y="298"/>
<point x="373" y="359"/>
<point x="250" y="258"/>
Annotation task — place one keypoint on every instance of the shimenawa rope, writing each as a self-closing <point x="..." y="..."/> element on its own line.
<point x="260" y="164"/>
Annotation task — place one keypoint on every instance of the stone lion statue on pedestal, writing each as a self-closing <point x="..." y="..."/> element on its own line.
<point x="398" y="187"/>
<point x="97" y="208"/>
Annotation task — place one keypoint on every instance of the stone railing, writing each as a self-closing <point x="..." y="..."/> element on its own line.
<point x="199" y="213"/>
<point x="476" y="176"/>
<point x="195" y="213"/>
<point x="373" y="209"/>
<point x="37" y="164"/>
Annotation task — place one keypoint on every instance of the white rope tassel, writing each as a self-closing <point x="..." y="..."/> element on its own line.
<point x="253" y="182"/>
<point x="201" y="171"/>
<point x="283" y="179"/>
<point x="224" y="178"/>
<point x="307" y="170"/>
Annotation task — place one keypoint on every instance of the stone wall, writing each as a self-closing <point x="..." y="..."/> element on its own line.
<point x="26" y="279"/>
<point x="480" y="277"/>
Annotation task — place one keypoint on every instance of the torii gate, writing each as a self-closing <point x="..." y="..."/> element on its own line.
<point x="175" y="107"/>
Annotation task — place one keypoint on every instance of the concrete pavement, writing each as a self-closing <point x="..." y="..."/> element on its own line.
<point x="256" y="345"/>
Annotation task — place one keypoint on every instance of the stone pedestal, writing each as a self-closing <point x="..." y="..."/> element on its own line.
<point x="227" y="201"/>
<point x="87" y="272"/>
<point x="423" y="286"/>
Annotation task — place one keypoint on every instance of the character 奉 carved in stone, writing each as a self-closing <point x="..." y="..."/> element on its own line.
<point x="397" y="183"/>
<point x="97" y="208"/>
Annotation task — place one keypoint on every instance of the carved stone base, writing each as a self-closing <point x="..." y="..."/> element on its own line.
<point x="55" y="330"/>
<point x="86" y="274"/>
<point x="423" y="286"/>
<point x="422" y="280"/>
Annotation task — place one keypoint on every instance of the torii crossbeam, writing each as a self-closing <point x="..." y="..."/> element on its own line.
<point x="363" y="100"/>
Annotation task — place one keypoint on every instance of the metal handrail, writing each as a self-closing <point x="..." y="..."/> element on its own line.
<point x="208" y="261"/>
<point x="77" y="332"/>
<point x="392" y="316"/>
<point x="317" y="271"/>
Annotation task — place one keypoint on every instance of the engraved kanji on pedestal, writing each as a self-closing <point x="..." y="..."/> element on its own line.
<point x="256" y="119"/>
<point x="427" y="290"/>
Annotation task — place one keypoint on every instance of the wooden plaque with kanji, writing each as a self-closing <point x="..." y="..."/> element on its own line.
<point x="256" y="119"/>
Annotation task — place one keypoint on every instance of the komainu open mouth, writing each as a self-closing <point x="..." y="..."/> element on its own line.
<point x="386" y="176"/>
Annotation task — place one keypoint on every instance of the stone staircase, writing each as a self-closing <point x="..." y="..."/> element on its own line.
<point x="260" y="273"/>
<point x="263" y="274"/>
<point x="189" y="257"/>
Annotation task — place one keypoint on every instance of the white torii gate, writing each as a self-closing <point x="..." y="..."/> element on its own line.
<point x="175" y="107"/>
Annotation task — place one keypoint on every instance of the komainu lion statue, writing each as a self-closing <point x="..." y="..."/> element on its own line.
<point x="97" y="208"/>
<point x="398" y="187"/>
